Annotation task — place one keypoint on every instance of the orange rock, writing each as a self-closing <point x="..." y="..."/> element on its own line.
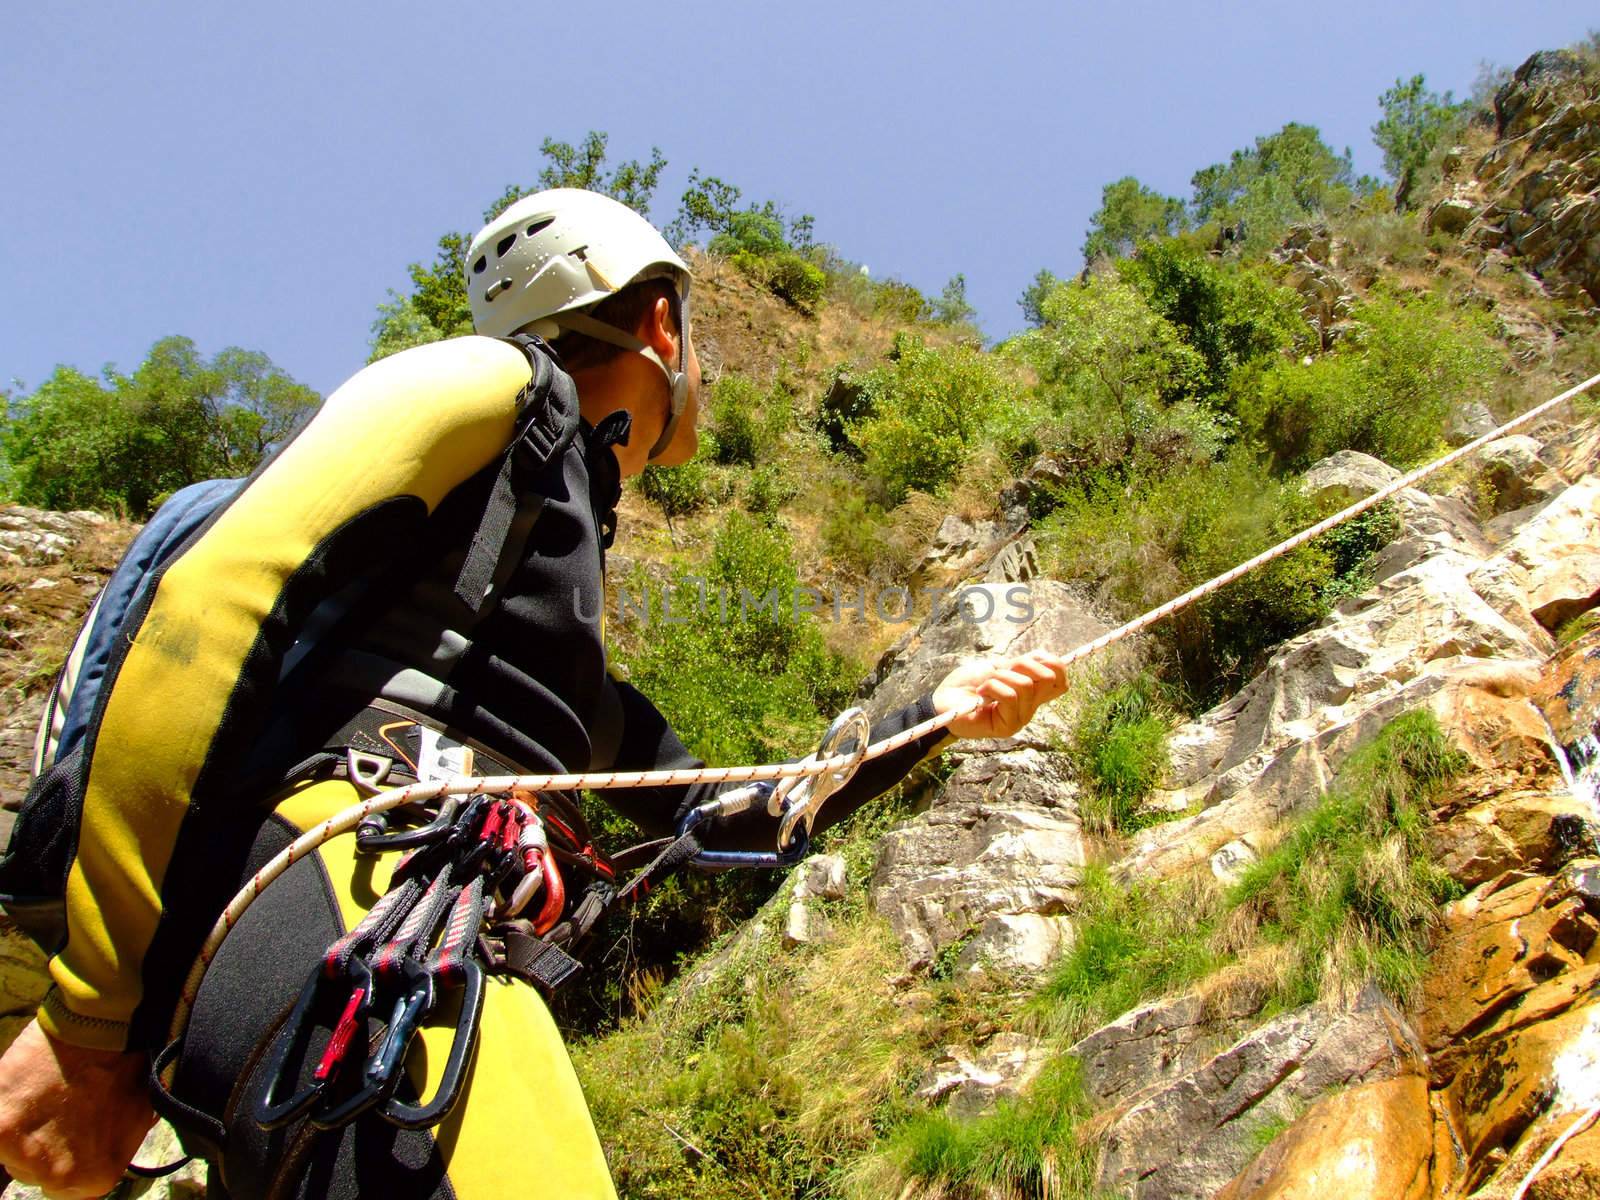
<point x="1375" y="1140"/>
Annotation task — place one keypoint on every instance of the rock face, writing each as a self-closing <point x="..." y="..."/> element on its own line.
<point x="991" y="866"/>
<point x="1189" y="1138"/>
<point x="1448" y="619"/>
<point x="1533" y="196"/>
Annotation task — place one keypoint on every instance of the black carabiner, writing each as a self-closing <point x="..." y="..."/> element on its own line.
<point x="382" y="1073"/>
<point x="294" y="1039"/>
<point x="423" y="1115"/>
<point x="372" y="834"/>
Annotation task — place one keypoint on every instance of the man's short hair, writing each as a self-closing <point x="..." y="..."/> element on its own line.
<point x="624" y="310"/>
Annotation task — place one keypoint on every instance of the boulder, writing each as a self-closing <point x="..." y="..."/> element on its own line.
<point x="972" y="1083"/>
<point x="995" y="862"/>
<point x="823" y="876"/>
<point x="1511" y="466"/>
<point x="1365" y="1142"/>
<point x="1451" y="215"/>
<point x="35" y="536"/>
<point x="1468" y="422"/>
<point x="1192" y="1136"/>
<point x="1345" y="477"/>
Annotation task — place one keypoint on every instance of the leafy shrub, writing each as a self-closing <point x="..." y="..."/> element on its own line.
<point x="1387" y="390"/>
<point x="1149" y="537"/>
<point x="124" y="441"/>
<point x="1230" y="315"/>
<point x="733" y="408"/>
<point x="923" y="412"/>
<point x="769" y="489"/>
<point x="678" y="491"/>
<point x="854" y="532"/>
<point x="796" y="280"/>
<point x="1110" y="368"/>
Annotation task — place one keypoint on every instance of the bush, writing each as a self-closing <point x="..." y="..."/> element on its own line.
<point x="677" y="491"/>
<point x="769" y="489"/>
<point x="1147" y="538"/>
<point x="733" y="407"/>
<point x="1230" y="315"/>
<point x="1119" y="749"/>
<point x="923" y="412"/>
<point x="1388" y="389"/>
<point x="1110" y="368"/>
<point x="796" y="280"/>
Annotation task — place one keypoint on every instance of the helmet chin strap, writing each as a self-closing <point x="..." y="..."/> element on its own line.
<point x="677" y="381"/>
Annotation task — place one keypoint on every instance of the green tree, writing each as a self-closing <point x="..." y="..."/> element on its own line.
<point x="1230" y="314"/>
<point x="126" y="441"/>
<point x="1033" y="297"/>
<point x="919" y="416"/>
<point x="1107" y="364"/>
<point x="1285" y="177"/>
<point x="1131" y="213"/>
<point x="1414" y="121"/>
<point x="952" y="306"/>
<point x="584" y="166"/>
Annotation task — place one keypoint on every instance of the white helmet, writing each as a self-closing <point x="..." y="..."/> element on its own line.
<point x="551" y="255"/>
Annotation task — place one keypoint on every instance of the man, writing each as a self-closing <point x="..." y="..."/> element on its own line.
<point x="425" y="551"/>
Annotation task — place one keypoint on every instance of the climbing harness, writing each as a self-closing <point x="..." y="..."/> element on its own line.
<point x="792" y="792"/>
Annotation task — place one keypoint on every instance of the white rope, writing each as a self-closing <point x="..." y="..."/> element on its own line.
<point x="1585" y="1119"/>
<point x="607" y="780"/>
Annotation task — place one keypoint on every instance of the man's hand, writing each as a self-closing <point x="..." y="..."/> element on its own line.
<point x="1012" y="690"/>
<point x="71" y="1119"/>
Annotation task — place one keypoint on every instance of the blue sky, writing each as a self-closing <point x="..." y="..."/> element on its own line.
<point x="260" y="175"/>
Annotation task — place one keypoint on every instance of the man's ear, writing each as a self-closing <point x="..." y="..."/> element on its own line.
<point x="659" y="331"/>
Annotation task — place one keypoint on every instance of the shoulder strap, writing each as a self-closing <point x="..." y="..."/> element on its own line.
<point x="547" y="423"/>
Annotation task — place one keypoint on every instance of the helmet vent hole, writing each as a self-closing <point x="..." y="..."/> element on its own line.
<point x="477" y="267"/>
<point x="504" y="244"/>
<point x="538" y="226"/>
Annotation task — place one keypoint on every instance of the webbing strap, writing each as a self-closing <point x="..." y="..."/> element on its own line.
<point x="547" y="422"/>
<point x="374" y="929"/>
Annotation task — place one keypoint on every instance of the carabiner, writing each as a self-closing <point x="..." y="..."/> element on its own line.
<point x="729" y="804"/>
<point x="798" y="799"/>
<point x="382" y="1074"/>
<point x="293" y="1041"/>
<point x="425" y="1114"/>
<point x="372" y="835"/>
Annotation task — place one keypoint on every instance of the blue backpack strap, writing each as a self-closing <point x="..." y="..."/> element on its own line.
<point x="173" y="524"/>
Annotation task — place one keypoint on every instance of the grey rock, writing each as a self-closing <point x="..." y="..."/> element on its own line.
<point x="1158" y="1042"/>
<point x="1451" y="215"/>
<point x="1346" y="477"/>
<point x="973" y="1083"/>
<point x="1228" y="864"/>
<point x="1468" y="422"/>
<point x="1002" y="840"/>
<point x="1512" y="467"/>
<point x="805" y="926"/>
<point x="822" y="876"/>
<point x="1194" y="1134"/>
